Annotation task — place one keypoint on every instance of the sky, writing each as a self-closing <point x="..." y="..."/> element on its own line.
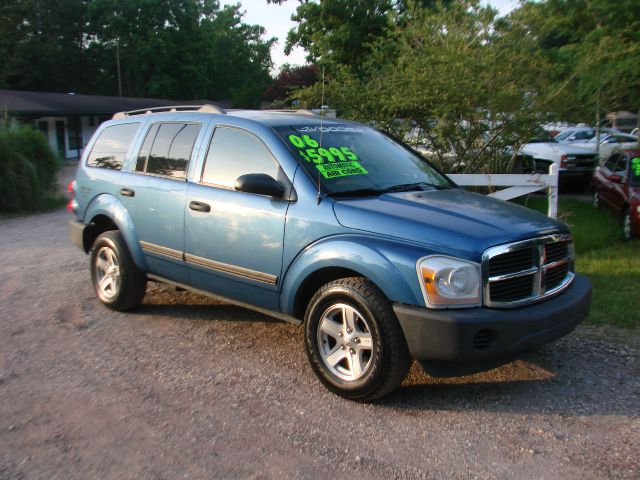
<point x="277" y="21"/>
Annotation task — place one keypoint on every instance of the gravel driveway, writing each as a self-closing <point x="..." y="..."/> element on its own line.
<point x="185" y="387"/>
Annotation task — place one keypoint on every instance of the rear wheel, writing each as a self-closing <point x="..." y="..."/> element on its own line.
<point x="118" y="282"/>
<point x="353" y="340"/>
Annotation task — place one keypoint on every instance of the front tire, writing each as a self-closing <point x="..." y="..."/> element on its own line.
<point x="353" y="340"/>
<point x="118" y="282"/>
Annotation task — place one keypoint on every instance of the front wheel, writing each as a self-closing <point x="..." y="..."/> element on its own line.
<point x="353" y="340"/>
<point x="118" y="282"/>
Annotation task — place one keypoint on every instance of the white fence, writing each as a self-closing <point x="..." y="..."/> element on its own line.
<point x="519" y="185"/>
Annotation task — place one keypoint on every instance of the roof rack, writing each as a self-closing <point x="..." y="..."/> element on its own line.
<point x="300" y="111"/>
<point x="208" y="108"/>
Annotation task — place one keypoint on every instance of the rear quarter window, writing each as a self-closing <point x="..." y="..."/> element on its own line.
<point x="112" y="145"/>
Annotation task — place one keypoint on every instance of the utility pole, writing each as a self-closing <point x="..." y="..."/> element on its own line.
<point x="598" y="123"/>
<point x="118" y="67"/>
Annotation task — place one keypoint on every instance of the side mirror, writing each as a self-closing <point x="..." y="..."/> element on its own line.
<point x="260" y="184"/>
<point x="615" y="178"/>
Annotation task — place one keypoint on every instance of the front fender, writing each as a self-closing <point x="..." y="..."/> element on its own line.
<point x="109" y="206"/>
<point x="390" y="265"/>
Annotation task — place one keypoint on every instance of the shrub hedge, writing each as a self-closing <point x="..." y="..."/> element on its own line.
<point x="28" y="170"/>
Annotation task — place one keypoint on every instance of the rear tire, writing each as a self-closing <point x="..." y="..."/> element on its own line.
<point x="353" y="340"/>
<point x="118" y="282"/>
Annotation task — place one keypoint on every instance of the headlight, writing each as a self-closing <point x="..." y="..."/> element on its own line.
<point x="449" y="282"/>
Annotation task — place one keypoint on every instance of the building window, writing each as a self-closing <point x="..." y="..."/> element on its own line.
<point x="74" y="129"/>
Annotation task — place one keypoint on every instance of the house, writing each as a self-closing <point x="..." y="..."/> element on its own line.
<point x="68" y="119"/>
<point x="623" y="121"/>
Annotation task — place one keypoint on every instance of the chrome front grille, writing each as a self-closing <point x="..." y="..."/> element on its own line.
<point x="526" y="272"/>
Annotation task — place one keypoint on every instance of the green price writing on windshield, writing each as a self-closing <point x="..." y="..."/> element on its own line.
<point x="635" y="166"/>
<point x="308" y="149"/>
<point x="305" y="141"/>
<point x="341" y="169"/>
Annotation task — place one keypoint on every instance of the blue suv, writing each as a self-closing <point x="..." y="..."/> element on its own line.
<point x="328" y="223"/>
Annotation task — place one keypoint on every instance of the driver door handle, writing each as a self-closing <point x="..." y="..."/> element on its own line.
<point x="199" y="206"/>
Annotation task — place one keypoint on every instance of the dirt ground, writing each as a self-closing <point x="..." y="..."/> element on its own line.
<point x="185" y="387"/>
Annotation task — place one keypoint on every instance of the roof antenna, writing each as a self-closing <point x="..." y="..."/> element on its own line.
<point x="321" y="119"/>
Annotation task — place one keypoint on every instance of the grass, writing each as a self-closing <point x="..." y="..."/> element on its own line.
<point x="612" y="265"/>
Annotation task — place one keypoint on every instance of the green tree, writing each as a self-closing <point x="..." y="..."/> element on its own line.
<point x="459" y="78"/>
<point x="176" y="49"/>
<point x="182" y="49"/>
<point x="593" y="46"/>
<point x="41" y="45"/>
<point x="343" y="32"/>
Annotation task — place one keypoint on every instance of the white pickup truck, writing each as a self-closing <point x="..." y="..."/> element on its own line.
<point x="575" y="162"/>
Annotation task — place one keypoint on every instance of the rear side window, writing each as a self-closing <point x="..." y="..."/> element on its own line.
<point x="111" y="147"/>
<point x="234" y="153"/>
<point x="167" y="148"/>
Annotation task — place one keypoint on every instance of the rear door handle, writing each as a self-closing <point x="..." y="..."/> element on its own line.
<point x="199" y="206"/>
<point x="127" y="192"/>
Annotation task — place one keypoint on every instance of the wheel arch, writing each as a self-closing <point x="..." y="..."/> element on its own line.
<point x="314" y="281"/>
<point x="104" y="213"/>
<point x="392" y="270"/>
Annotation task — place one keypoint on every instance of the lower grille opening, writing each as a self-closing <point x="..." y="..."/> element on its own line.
<point x="484" y="339"/>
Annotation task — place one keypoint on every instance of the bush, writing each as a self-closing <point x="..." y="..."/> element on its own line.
<point x="28" y="171"/>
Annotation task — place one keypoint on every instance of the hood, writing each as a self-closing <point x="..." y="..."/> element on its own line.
<point x="592" y="147"/>
<point x="451" y="220"/>
<point x="560" y="148"/>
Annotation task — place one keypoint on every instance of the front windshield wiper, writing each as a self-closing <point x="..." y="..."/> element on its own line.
<point x="409" y="187"/>
<point x="373" y="192"/>
<point x="359" y="192"/>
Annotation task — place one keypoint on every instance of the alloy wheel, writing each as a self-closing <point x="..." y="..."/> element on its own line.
<point x="345" y="341"/>
<point x="107" y="269"/>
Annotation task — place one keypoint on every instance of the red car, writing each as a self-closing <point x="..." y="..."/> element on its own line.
<point x="616" y="185"/>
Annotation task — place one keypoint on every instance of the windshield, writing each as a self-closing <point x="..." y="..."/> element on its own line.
<point x="634" y="172"/>
<point x="603" y="138"/>
<point x="542" y="136"/>
<point x="357" y="160"/>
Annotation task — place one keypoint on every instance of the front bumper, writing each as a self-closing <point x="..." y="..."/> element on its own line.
<point x="455" y="342"/>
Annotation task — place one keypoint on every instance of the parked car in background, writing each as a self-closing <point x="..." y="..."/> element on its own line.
<point x="580" y="134"/>
<point x="611" y="142"/>
<point x="616" y="185"/>
<point x="575" y="135"/>
<point x="575" y="163"/>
